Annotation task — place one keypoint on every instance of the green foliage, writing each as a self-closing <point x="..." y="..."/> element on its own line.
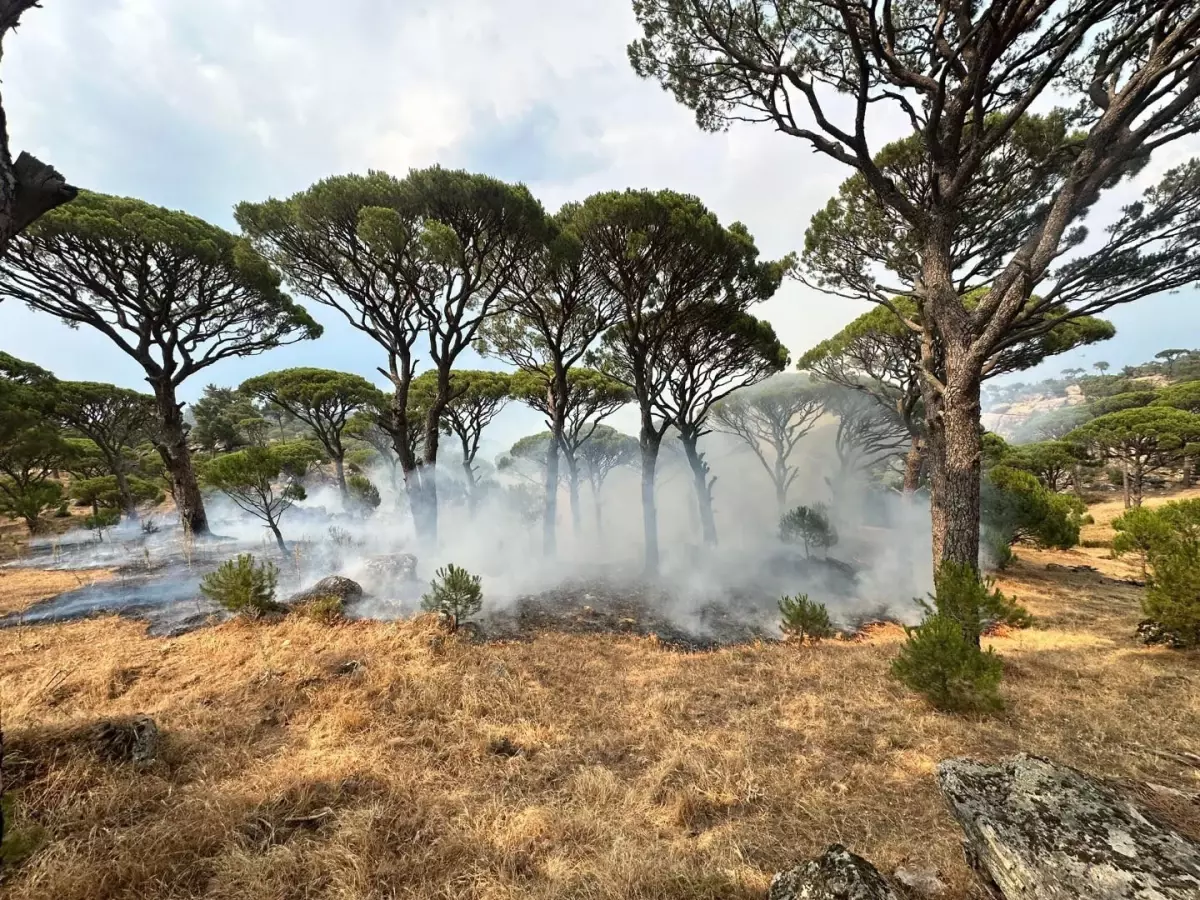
<point x="810" y="526"/>
<point x="250" y="478"/>
<point x="1185" y="396"/>
<point x="1144" y="439"/>
<point x="1125" y="400"/>
<point x="321" y="398"/>
<point x="939" y="662"/>
<point x="325" y="610"/>
<point x="225" y="420"/>
<point x="975" y="603"/>
<point x="61" y="511"/>
<point x="29" y="501"/>
<point x="1051" y="462"/>
<point x="454" y="592"/>
<point x="1016" y="507"/>
<point x="803" y="618"/>
<point x="364" y="496"/>
<point x="1168" y="540"/>
<point x="243" y="586"/>
<point x="99" y="521"/>
<point x="21" y="838"/>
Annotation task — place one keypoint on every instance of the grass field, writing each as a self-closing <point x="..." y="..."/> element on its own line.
<point x="560" y="767"/>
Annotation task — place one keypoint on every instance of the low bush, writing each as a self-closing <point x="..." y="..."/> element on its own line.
<point x="975" y="603"/>
<point x="1167" y="540"/>
<point x="802" y="618"/>
<point x="454" y="592"/>
<point x="810" y="526"/>
<point x="364" y="496"/>
<point x="939" y="662"/>
<point x="1017" y="507"/>
<point x="242" y="586"/>
<point x="326" y="610"/>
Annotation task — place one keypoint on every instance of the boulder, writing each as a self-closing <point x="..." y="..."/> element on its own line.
<point x="1036" y="830"/>
<point x="920" y="882"/>
<point x="344" y="589"/>
<point x="132" y="740"/>
<point x="837" y="874"/>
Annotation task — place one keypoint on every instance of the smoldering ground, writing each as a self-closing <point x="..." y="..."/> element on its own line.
<point x="704" y="594"/>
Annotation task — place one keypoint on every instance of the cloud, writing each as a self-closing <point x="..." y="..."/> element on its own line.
<point x="198" y="104"/>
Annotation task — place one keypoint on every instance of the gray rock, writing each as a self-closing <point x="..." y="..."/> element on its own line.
<point x="344" y="589"/>
<point x="1037" y="830"/>
<point x="391" y="567"/>
<point x="837" y="874"/>
<point x="920" y="882"/>
<point x="132" y="740"/>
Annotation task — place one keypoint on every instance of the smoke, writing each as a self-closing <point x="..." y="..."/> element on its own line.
<point x="881" y="561"/>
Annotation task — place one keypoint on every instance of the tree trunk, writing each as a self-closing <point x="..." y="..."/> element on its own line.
<point x="433" y="421"/>
<point x="649" y="442"/>
<point x="278" y="537"/>
<point x="703" y="489"/>
<point x="171" y="443"/>
<point x="472" y="499"/>
<point x="1125" y="482"/>
<point x="28" y="189"/>
<point x="1138" y="477"/>
<point x="550" y="508"/>
<point x="128" y="503"/>
<point x="956" y="449"/>
<point x="573" y="488"/>
<point x="1036" y="830"/>
<point x="912" y="465"/>
<point x="781" y="491"/>
<point x="596" y="506"/>
<point x="339" y="468"/>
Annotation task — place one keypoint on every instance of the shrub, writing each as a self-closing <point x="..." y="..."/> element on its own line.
<point x="1016" y="506"/>
<point x="62" y="512"/>
<point x="325" y="610"/>
<point x="340" y="537"/>
<point x="102" y="519"/>
<point x="364" y="496"/>
<point x="803" y="618"/>
<point x="149" y="526"/>
<point x="976" y="604"/>
<point x="29" y="501"/>
<point x="1168" y="541"/>
<point x="939" y="662"/>
<point x="241" y="586"/>
<point x="454" y="592"/>
<point x="810" y="526"/>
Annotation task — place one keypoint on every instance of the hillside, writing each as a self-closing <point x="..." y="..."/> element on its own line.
<point x="375" y="759"/>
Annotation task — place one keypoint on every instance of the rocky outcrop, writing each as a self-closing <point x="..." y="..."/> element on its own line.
<point x="1036" y="830"/>
<point x="837" y="874"/>
<point x="344" y="589"/>
<point x="391" y="567"/>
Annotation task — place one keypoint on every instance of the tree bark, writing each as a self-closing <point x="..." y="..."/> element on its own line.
<point x="28" y="189"/>
<point x="278" y="536"/>
<point x="128" y="503"/>
<point x="550" y="510"/>
<point x="703" y="489"/>
<point x="1125" y="481"/>
<point x="339" y="468"/>
<point x="596" y="506"/>
<point x="1040" y="831"/>
<point x="956" y="449"/>
<point x="912" y="465"/>
<point x="573" y="492"/>
<point x="649" y="442"/>
<point x="171" y="443"/>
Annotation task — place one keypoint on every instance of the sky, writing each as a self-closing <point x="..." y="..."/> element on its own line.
<point x="199" y="104"/>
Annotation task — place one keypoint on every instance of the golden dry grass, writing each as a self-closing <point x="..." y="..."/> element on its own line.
<point x="563" y="767"/>
<point x="21" y="588"/>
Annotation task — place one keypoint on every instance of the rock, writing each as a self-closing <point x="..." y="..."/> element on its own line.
<point x="837" y="874"/>
<point x="333" y="586"/>
<point x="132" y="740"/>
<point x="391" y="567"/>
<point x="921" y="882"/>
<point x="1151" y="632"/>
<point x="1041" y="831"/>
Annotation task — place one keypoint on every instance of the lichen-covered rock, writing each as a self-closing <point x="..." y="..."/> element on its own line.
<point x="1041" y="831"/>
<point x="345" y="589"/>
<point x="1151" y="632"/>
<point x="392" y="567"/>
<point x="132" y="740"/>
<point x="920" y="882"/>
<point x="837" y="874"/>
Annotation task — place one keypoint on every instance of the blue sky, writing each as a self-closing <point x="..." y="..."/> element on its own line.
<point x="197" y="104"/>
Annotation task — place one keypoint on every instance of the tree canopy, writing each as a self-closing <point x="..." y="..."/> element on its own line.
<point x="251" y="479"/>
<point x="1143" y="439"/>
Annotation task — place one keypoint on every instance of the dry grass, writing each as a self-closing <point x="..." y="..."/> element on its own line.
<point x="21" y="588"/>
<point x="567" y="766"/>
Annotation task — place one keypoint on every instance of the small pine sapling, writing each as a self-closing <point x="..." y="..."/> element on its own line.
<point x="976" y="604"/>
<point x="100" y="520"/>
<point x="802" y="618"/>
<point x="454" y="592"/>
<point x="939" y="662"/>
<point x="242" y="586"/>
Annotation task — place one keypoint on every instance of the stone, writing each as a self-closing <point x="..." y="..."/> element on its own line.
<point x="837" y="874"/>
<point x="1037" y="830"/>
<point x="338" y="586"/>
<point x="132" y="740"/>
<point x="920" y="882"/>
<point x="391" y="567"/>
<point x="1151" y="632"/>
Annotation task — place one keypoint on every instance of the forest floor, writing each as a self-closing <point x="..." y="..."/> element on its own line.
<point x="384" y="759"/>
